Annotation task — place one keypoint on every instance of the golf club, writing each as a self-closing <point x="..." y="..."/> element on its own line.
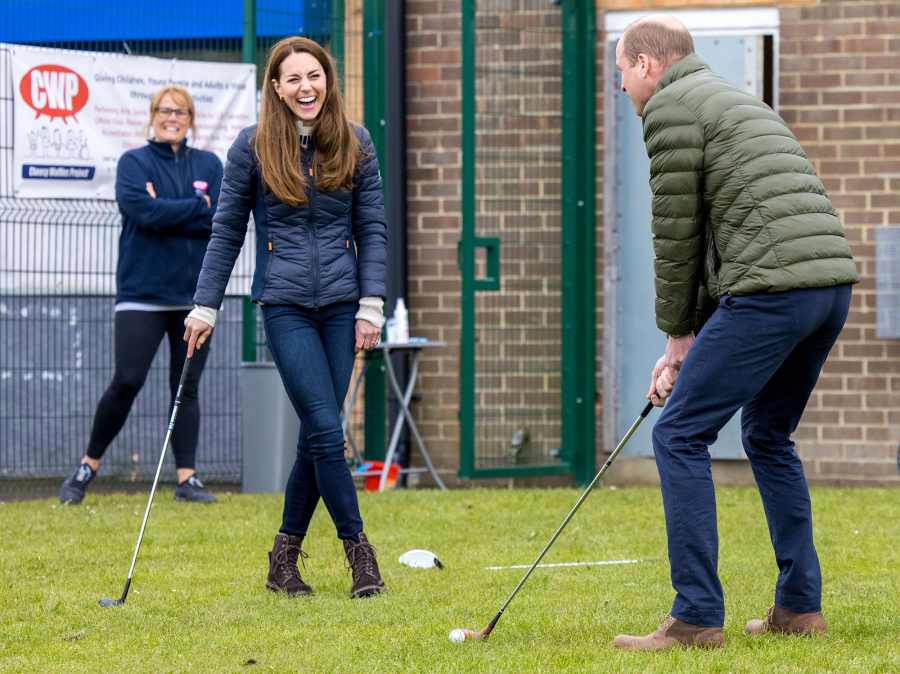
<point x="121" y="600"/>
<point x="459" y="635"/>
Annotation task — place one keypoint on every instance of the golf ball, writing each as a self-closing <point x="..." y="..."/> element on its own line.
<point x="457" y="636"/>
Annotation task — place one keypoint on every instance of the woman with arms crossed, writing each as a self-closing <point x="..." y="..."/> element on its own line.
<point x="167" y="193"/>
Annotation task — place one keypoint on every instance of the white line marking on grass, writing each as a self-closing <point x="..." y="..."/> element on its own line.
<point x="603" y="562"/>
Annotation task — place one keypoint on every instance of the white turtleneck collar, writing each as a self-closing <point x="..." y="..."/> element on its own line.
<point x="306" y="133"/>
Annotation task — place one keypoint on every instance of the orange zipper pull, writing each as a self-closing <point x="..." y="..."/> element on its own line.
<point x="270" y="246"/>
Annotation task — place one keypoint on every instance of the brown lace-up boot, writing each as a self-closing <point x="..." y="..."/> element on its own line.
<point x="671" y="633"/>
<point x="283" y="573"/>
<point x="364" y="567"/>
<point x="782" y="621"/>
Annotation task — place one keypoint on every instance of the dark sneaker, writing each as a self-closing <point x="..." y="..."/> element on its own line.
<point x="364" y="567"/>
<point x="283" y="573"/>
<point x="192" y="489"/>
<point x="782" y="621"/>
<point x="73" y="489"/>
<point x="673" y="633"/>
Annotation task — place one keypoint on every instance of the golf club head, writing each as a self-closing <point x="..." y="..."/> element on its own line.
<point x="106" y="603"/>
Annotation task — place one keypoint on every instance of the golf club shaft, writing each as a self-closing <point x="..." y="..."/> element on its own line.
<point x="584" y="495"/>
<point x="162" y="456"/>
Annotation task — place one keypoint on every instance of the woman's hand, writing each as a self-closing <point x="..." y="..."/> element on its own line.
<point x="197" y="332"/>
<point x="367" y="335"/>
<point x="150" y="190"/>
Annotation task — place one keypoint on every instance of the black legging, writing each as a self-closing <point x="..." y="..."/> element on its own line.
<point x="137" y="337"/>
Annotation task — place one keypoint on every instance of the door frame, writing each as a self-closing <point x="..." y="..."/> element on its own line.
<point x="706" y="22"/>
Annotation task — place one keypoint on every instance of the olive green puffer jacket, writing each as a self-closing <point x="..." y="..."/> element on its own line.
<point x="737" y="206"/>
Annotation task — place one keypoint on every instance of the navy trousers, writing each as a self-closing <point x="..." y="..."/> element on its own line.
<point x="762" y="353"/>
<point x="313" y="350"/>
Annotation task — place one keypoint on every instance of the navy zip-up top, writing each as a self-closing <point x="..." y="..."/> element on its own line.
<point x="163" y="240"/>
<point x="305" y="256"/>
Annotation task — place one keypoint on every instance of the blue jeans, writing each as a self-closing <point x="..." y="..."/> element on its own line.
<point x="313" y="350"/>
<point x="762" y="352"/>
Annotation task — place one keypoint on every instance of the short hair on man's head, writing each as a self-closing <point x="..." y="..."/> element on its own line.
<point x="665" y="43"/>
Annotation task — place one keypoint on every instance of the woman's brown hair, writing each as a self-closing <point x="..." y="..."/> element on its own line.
<point x="277" y="141"/>
<point x="181" y="95"/>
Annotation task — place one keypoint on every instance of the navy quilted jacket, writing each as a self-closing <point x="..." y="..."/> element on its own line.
<point x="305" y="256"/>
<point x="163" y="239"/>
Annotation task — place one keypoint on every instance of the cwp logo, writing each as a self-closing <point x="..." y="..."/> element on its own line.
<point x="54" y="90"/>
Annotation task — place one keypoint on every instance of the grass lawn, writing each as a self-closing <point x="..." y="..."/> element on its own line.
<point x="198" y="602"/>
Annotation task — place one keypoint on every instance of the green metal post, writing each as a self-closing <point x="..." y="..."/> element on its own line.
<point x="337" y="39"/>
<point x="467" y="249"/>
<point x="578" y="222"/>
<point x="248" y="324"/>
<point x="248" y="330"/>
<point x="373" y="107"/>
<point x="249" y="41"/>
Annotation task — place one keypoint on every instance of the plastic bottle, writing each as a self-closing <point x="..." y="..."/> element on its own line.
<point x="401" y="316"/>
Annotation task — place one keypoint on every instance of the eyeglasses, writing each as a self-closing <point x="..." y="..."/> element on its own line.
<point x="168" y="112"/>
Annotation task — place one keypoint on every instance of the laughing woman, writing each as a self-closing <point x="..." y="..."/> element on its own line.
<point x="167" y="193"/>
<point x="311" y="179"/>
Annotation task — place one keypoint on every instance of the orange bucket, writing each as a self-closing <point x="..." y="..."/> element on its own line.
<point x="372" y="471"/>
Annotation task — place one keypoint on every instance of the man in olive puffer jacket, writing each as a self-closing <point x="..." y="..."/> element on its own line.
<point x="742" y="224"/>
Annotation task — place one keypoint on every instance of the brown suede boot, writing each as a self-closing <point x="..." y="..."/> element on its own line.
<point x="671" y="633"/>
<point x="782" y="621"/>
<point x="283" y="573"/>
<point x="364" y="567"/>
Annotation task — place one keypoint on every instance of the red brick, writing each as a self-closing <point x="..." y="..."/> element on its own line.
<point x="808" y="47"/>
<point x="844" y="98"/>
<point x="881" y="62"/>
<point x="880" y="400"/>
<point x="865" y="45"/>
<point x="867" y="417"/>
<point x="416" y="40"/>
<point x="838" y="61"/>
<point x="863" y="114"/>
<point x="819" y="81"/>
<point x="883" y="132"/>
<point x="844" y="133"/>
<point x="439" y="56"/>
<point x="886" y="200"/>
<point x="816" y="116"/>
<point x="841" y="433"/>
<point x="864" y="79"/>
<point x="863" y="10"/>
<point x="863" y="218"/>
<point x="889" y="27"/>
<point x="841" y="167"/>
<point x="841" y="400"/>
<point x="872" y="167"/>
<point x="864" y="184"/>
<point x="867" y="384"/>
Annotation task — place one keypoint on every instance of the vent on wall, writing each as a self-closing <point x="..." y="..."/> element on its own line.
<point x="887" y="285"/>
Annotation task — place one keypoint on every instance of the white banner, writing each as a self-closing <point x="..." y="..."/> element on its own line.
<point x="77" y="112"/>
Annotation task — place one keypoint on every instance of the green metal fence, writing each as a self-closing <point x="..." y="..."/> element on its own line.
<point x="527" y="250"/>
<point x="56" y="336"/>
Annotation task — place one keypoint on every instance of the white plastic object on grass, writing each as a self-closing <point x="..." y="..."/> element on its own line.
<point x="420" y="559"/>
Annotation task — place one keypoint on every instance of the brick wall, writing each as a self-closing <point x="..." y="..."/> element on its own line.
<point x="433" y="203"/>
<point x="839" y="90"/>
<point x="840" y="93"/>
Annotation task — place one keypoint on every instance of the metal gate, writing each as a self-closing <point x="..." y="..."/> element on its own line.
<point x="526" y="254"/>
